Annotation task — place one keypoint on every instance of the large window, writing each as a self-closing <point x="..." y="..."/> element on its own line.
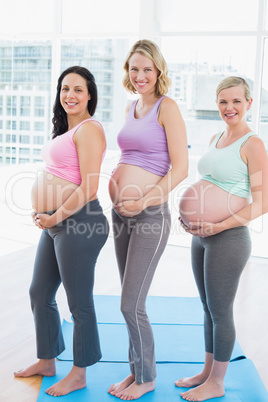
<point x="201" y="41"/>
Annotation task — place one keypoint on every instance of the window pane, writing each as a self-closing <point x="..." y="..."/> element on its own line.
<point x="264" y="98"/>
<point x="195" y="72"/>
<point x="25" y="83"/>
<point x="105" y="59"/>
<point x="102" y="16"/>
<point x="208" y="15"/>
<point x="27" y="16"/>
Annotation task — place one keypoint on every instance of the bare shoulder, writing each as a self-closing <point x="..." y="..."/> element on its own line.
<point x="90" y="125"/>
<point x="254" y="144"/>
<point x="88" y="130"/>
<point x="254" y="151"/>
<point x="168" y="110"/>
<point x="168" y="103"/>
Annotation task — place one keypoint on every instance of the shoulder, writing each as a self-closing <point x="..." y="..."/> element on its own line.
<point x="89" y="125"/>
<point x="254" y="149"/>
<point x="89" y="129"/>
<point x="168" y="109"/>
<point x="167" y="102"/>
<point x="253" y="144"/>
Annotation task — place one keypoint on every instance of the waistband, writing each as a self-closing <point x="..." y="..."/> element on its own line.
<point x="235" y="232"/>
<point x="152" y="210"/>
<point x="91" y="208"/>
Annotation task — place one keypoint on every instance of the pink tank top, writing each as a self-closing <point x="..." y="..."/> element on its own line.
<point x="61" y="158"/>
<point x="143" y="142"/>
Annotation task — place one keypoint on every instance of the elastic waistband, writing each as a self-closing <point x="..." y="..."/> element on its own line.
<point x="236" y="232"/>
<point x="91" y="208"/>
<point x="152" y="210"/>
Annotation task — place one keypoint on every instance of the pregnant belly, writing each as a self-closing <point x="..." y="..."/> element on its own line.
<point x="130" y="182"/>
<point x="205" y="202"/>
<point x="49" y="192"/>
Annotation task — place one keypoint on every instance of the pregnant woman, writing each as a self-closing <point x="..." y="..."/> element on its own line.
<point x="64" y="199"/>
<point x="232" y="192"/>
<point x="154" y="160"/>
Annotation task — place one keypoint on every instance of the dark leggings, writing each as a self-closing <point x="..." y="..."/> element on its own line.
<point x="67" y="253"/>
<point x="218" y="262"/>
<point x="139" y="244"/>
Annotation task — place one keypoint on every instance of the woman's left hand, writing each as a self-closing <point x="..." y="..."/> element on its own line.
<point x="129" y="208"/>
<point x="43" y="221"/>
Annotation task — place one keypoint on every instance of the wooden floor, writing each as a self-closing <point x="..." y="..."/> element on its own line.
<point x="173" y="278"/>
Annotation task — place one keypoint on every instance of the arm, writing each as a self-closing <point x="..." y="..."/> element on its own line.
<point x="90" y="142"/>
<point x="170" y="118"/>
<point x="255" y="155"/>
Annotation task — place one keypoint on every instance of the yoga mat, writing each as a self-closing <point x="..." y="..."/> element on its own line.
<point x="160" y="309"/>
<point x="242" y="383"/>
<point x="173" y="343"/>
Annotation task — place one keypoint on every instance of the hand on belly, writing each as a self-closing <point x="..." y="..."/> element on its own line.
<point x="205" y="202"/>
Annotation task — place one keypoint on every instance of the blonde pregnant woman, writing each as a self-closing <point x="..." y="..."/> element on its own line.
<point x="74" y="229"/>
<point x="233" y="191"/>
<point x="154" y="160"/>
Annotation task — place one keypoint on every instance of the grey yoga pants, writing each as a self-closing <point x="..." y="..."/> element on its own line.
<point x="139" y="244"/>
<point x="67" y="253"/>
<point x="218" y="262"/>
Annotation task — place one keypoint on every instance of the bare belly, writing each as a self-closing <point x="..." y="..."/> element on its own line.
<point x="129" y="182"/>
<point x="204" y="201"/>
<point x="49" y="192"/>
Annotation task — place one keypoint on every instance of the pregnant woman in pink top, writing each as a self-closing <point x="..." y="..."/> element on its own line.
<point x="153" y="162"/>
<point x="74" y="229"/>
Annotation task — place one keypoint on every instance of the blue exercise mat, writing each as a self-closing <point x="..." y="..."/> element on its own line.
<point x="160" y="309"/>
<point x="242" y="383"/>
<point x="173" y="343"/>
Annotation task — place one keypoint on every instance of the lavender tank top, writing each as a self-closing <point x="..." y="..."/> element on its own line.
<point x="143" y="141"/>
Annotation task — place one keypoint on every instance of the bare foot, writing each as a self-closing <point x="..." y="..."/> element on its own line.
<point x="42" y="367"/>
<point x="119" y="386"/>
<point x="75" y="380"/>
<point x="204" y="391"/>
<point x="135" y="391"/>
<point x="188" y="382"/>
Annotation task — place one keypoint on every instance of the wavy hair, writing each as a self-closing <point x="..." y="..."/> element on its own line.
<point x="233" y="81"/>
<point x="149" y="49"/>
<point x="59" y="120"/>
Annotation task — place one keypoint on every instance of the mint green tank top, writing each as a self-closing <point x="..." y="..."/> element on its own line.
<point x="225" y="167"/>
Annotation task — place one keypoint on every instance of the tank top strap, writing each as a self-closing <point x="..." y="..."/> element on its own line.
<point x="74" y="129"/>
<point x="216" y="139"/>
<point x="243" y="139"/>
<point x="154" y="108"/>
<point x="157" y="103"/>
<point x="238" y="143"/>
<point x="132" y="108"/>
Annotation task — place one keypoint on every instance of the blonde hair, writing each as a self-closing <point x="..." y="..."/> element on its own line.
<point x="229" y="82"/>
<point x="149" y="49"/>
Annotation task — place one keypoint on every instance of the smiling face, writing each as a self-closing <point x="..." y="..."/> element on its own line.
<point x="74" y="95"/>
<point x="232" y="104"/>
<point x="142" y="73"/>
